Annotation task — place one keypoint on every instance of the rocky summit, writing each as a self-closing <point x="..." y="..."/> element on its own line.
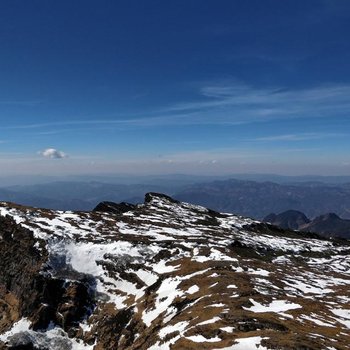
<point x="167" y="275"/>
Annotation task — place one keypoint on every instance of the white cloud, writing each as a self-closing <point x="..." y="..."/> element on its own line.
<point x="53" y="153"/>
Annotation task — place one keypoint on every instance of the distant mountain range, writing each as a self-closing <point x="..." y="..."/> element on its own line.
<point x="328" y="225"/>
<point x="63" y="195"/>
<point x="258" y="199"/>
<point x="169" y="179"/>
<point x="248" y="198"/>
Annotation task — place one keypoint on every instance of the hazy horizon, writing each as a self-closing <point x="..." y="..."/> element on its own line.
<point x="133" y="179"/>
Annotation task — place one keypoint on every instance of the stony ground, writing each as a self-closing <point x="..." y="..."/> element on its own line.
<point x="167" y="275"/>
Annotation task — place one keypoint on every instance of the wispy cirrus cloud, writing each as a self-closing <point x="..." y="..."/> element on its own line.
<point x="221" y="104"/>
<point x="146" y="121"/>
<point x="248" y="103"/>
<point x="301" y="137"/>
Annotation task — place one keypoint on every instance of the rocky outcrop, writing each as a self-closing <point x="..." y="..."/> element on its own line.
<point x="151" y="196"/>
<point x="114" y="208"/>
<point x="27" y="291"/>
<point x="20" y="264"/>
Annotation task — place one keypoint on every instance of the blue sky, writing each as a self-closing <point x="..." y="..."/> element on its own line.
<point x="195" y="86"/>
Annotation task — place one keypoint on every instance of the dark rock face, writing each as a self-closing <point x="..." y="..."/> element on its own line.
<point x="121" y="325"/>
<point x="64" y="303"/>
<point x="27" y="292"/>
<point x="149" y="197"/>
<point x="114" y="208"/>
<point x="20" y="263"/>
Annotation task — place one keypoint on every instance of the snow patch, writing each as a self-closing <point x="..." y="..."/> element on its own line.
<point x="344" y="315"/>
<point x="246" y="344"/>
<point x="192" y="290"/>
<point x="274" y="306"/>
<point x="201" y="339"/>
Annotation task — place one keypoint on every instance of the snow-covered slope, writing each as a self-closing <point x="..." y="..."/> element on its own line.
<point x="170" y="275"/>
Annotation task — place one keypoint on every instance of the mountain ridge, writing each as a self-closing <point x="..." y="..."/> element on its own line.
<point x="328" y="225"/>
<point x="169" y="275"/>
<point x="248" y="198"/>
